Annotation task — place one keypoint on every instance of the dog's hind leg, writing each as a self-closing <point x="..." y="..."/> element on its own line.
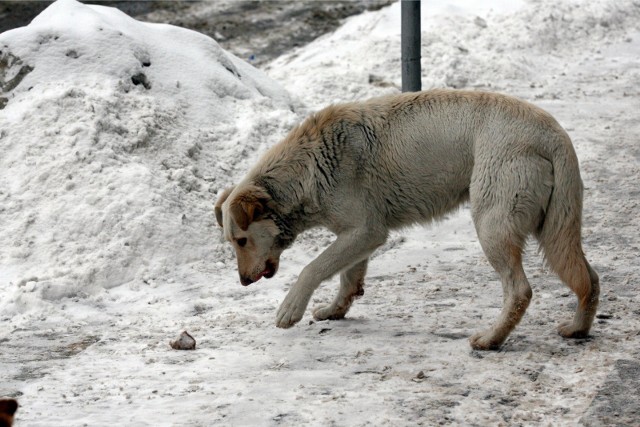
<point x="584" y="281"/>
<point x="508" y="196"/>
<point x="351" y="287"/>
<point x="566" y="258"/>
<point x="561" y="242"/>
<point x="505" y="255"/>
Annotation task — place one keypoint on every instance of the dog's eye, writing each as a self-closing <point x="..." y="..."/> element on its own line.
<point x="241" y="242"/>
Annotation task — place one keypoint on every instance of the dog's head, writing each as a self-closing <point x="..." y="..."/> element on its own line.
<point x="8" y="408"/>
<point x="244" y="215"/>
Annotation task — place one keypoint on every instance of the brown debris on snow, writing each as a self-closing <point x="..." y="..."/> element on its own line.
<point x="184" y="342"/>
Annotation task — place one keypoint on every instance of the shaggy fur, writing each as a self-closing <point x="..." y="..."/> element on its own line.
<point x="362" y="169"/>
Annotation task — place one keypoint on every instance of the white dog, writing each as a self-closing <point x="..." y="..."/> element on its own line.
<point x="362" y="169"/>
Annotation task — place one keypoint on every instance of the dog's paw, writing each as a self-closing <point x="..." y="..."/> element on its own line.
<point x="485" y="340"/>
<point x="291" y="310"/>
<point x="325" y="312"/>
<point x="570" y="330"/>
<point x="328" y="312"/>
<point x="288" y="316"/>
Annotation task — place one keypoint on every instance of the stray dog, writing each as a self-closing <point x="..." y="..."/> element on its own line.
<point x="363" y="169"/>
<point x="8" y="408"/>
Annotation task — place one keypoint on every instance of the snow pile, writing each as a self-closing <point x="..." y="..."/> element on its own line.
<point x="115" y="137"/>
<point x="83" y="45"/>
<point x="486" y="45"/>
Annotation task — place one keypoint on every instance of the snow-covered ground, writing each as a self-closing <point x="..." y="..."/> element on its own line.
<point x="116" y="138"/>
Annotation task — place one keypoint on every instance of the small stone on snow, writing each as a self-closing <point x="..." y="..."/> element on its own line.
<point x="184" y="342"/>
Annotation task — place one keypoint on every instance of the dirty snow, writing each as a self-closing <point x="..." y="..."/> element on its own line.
<point x="114" y="147"/>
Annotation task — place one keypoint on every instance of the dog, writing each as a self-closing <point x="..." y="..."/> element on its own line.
<point x="363" y="169"/>
<point x="8" y="408"/>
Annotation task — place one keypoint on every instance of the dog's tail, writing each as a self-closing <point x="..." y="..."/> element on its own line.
<point x="560" y="234"/>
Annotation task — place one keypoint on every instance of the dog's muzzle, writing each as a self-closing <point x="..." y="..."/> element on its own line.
<point x="246" y="281"/>
<point x="269" y="271"/>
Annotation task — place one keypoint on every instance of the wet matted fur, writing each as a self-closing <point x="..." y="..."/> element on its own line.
<point x="363" y="169"/>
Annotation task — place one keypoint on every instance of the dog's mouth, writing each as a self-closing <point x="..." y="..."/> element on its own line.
<point x="270" y="269"/>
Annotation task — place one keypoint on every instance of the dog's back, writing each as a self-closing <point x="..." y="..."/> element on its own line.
<point x="411" y="157"/>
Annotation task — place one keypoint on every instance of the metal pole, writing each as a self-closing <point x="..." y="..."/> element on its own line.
<point x="410" y="45"/>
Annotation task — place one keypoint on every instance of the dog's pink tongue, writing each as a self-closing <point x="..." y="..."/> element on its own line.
<point x="259" y="276"/>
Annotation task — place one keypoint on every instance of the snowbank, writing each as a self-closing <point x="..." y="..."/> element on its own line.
<point x="493" y="45"/>
<point x="84" y="44"/>
<point x="115" y="138"/>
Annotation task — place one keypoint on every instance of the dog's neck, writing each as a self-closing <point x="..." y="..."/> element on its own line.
<point x="291" y="210"/>
<point x="288" y="229"/>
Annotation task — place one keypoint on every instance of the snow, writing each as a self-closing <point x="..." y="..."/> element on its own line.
<point x="111" y="248"/>
<point x="102" y="173"/>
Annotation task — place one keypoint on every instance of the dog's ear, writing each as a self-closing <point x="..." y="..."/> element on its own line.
<point x="221" y="199"/>
<point x="249" y="205"/>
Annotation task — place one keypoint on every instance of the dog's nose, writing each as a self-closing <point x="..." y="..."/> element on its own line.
<point x="246" y="281"/>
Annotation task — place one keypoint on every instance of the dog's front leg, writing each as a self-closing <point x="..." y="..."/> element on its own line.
<point x="349" y="248"/>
